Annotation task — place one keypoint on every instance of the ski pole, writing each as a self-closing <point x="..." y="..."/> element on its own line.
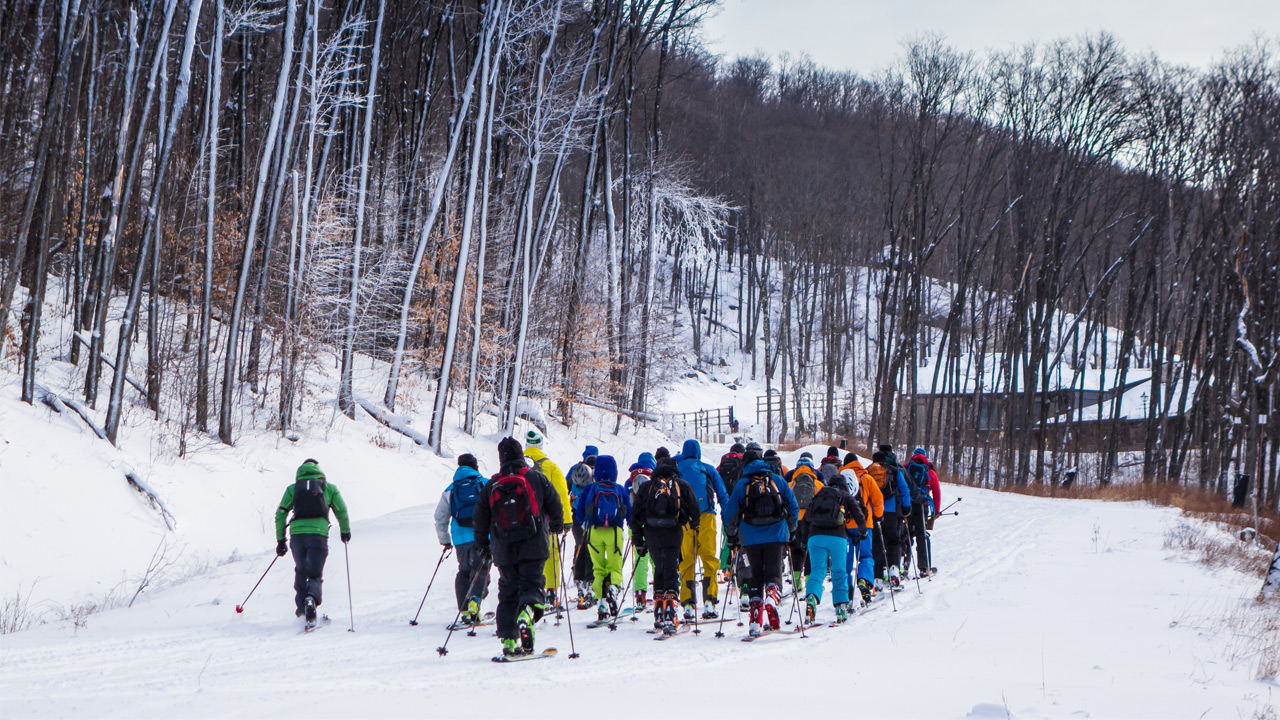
<point x="892" y="600"/>
<point x="350" y="608"/>
<point x="444" y="554"/>
<point x="613" y="623"/>
<point x="562" y="606"/>
<point x="573" y="652"/>
<point x="444" y="649"/>
<point x="948" y="507"/>
<point x="791" y="566"/>
<point x="240" y="607"/>
<point x="733" y="587"/>
<point x="794" y="602"/>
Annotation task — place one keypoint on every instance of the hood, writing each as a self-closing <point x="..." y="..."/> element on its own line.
<point x="691" y="449"/>
<point x="920" y="458"/>
<point x="757" y="467"/>
<point x="646" y="461"/>
<point x="309" y="470"/>
<point x="590" y="451"/>
<point x="829" y="473"/>
<point x="606" y="469"/>
<point x="535" y="454"/>
<point x="464" y="472"/>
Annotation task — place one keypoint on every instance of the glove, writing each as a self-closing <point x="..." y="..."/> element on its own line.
<point x="641" y="551"/>
<point x="862" y="535"/>
<point x="447" y="546"/>
<point x="346" y="537"/>
<point x="557" y="529"/>
<point x="281" y="548"/>
<point x="485" y="556"/>
<point x="733" y="542"/>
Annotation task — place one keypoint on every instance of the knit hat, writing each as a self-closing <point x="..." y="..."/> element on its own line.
<point x="879" y="456"/>
<point x="771" y="453"/>
<point x="753" y="445"/>
<point x="646" y="461"/>
<point x="886" y="449"/>
<point x="737" y="448"/>
<point x="660" y="453"/>
<point x="806" y="454"/>
<point x="591" y="451"/>
<point x="833" y="451"/>
<point x="509" y="452"/>
<point x="849" y="457"/>
<point x="533" y="438"/>
<point x="309" y="470"/>
<point x="919" y="451"/>
<point x="606" y="469"/>
<point x="468" y="460"/>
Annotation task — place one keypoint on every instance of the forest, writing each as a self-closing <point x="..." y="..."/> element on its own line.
<point x="539" y="201"/>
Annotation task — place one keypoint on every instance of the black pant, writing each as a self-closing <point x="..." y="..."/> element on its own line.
<point x="889" y="536"/>
<point x="765" y="561"/>
<point x="916" y="525"/>
<point x="582" y="570"/>
<point x="472" y="579"/>
<point x="519" y="585"/>
<point x="800" y="552"/>
<point x="309" y="553"/>
<point x="666" y="569"/>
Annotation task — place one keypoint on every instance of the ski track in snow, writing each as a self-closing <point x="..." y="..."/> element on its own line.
<point x="1030" y="617"/>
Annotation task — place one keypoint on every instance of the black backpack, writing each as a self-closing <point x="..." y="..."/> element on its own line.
<point x="730" y="471"/>
<point x="763" y="502"/>
<point x="308" y="499"/>
<point x="826" y="511"/>
<point x="918" y="482"/>
<point x="662" y="508"/>
<point x="514" y="507"/>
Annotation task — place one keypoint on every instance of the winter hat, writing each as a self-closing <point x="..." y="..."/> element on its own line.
<point x="509" y="452"/>
<point x="805" y="461"/>
<point x="646" y="461"/>
<point x="590" y="462"/>
<point x="468" y="460"/>
<point x="849" y="457"/>
<point x="591" y="451"/>
<point x="737" y="448"/>
<point x="886" y="449"/>
<point x="755" y="446"/>
<point x="533" y="438"/>
<point x="879" y="456"/>
<point x="660" y="453"/>
<point x="833" y="451"/>
<point x="806" y="454"/>
<point x="606" y="468"/>
<point x="919" y="451"/>
<point x="770" y="453"/>
<point x="309" y="470"/>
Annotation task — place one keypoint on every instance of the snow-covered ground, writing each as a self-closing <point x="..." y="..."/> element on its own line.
<point x="1043" y="608"/>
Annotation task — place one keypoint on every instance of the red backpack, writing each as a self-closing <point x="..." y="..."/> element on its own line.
<point x="514" y="507"/>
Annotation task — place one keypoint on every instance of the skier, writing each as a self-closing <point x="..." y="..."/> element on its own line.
<point x="533" y="451"/>
<point x="640" y="471"/>
<point x="515" y="511"/>
<point x="826" y="524"/>
<point x="454" y="518"/>
<point x="730" y="469"/>
<point x="775" y="463"/>
<point x="861" y="546"/>
<point x="580" y="478"/>
<point x="832" y="458"/>
<point x="664" y="506"/>
<point x="804" y="482"/>
<point x="887" y="542"/>
<point x="708" y="488"/>
<point x="760" y="517"/>
<point x="603" y="509"/>
<point x="310" y="498"/>
<point x="926" y="499"/>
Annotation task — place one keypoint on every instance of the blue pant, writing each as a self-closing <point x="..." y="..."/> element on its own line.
<point x="860" y="555"/>
<point x="827" y="550"/>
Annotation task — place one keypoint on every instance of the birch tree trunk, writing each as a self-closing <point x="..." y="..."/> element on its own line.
<point x="206" y="299"/>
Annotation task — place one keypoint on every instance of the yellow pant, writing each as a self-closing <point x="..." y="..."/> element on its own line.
<point x="700" y="545"/>
<point x="551" y="571"/>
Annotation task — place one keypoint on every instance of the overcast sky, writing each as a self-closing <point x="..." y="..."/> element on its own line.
<point x="865" y="35"/>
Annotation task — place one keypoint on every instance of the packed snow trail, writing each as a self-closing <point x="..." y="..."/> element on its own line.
<point x="1042" y="608"/>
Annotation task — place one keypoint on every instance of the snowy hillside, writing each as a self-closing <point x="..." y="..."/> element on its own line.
<point x="1043" y="608"/>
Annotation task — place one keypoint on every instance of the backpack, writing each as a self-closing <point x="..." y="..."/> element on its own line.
<point x="890" y="488"/>
<point x="763" y="502"/>
<point x="730" y="471"/>
<point x="462" y="501"/>
<point x="917" y="481"/>
<point x="804" y="483"/>
<point x="605" y="509"/>
<point x="855" y="493"/>
<point x="775" y="463"/>
<point x="514" y="507"/>
<point x="308" y="499"/>
<point x="662" y="508"/>
<point x="581" y="475"/>
<point x="825" y="510"/>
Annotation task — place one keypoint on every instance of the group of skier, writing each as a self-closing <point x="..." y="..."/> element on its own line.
<point x="832" y="517"/>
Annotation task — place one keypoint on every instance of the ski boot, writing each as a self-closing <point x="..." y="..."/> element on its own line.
<point x="895" y="580"/>
<point x="586" y="598"/>
<point x="810" y="608"/>
<point x="309" y="610"/>
<point x="611" y="594"/>
<point x="842" y="612"/>
<point x="864" y="587"/>
<point x="772" y="594"/>
<point x="552" y="596"/>
<point x="642" y="602"/>
<point x="524" y="627"/>
<point x="756" y="618"/>
<point x="511" y="648"/>
<point x="471" y="614"/>
<point x="709" y="610"/>
<point x="690" y="611"/>
<point x="659" y="610"/>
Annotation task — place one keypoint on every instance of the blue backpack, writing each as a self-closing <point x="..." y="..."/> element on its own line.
<point x="606" y="507"/>
<point x="462" y="501"/>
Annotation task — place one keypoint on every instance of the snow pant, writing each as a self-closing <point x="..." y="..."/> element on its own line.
<point x="581" y="558"/>
<point x="827" y="551"/>
<point x="765" y="561"/>
<point x="309" y="553"/>
<point x="606" y="546"/>
<point x="698" y="545"/>
<point x="740" y="574"/>
<point x="916" y="527"/>
<point x="861" y="556"/>
<point x="551" y="571"/>
<point x="666" y="569"/>
<point x="888" y="543"/>
<point x="519" y="585"/>
<point x="799" y="547"/>
<point x="640" y="572"/>
<point x="472" y="579"/>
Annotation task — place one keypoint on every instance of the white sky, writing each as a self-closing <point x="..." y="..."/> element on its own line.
<point x="865" y="35"/>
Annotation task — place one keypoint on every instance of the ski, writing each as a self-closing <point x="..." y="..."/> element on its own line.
<point x="548" y="653"/>
<point x="308" y="627"/>
<point x="680" y="630"/>
<point x="768" y="633"/>
<point x="488" y="618"/>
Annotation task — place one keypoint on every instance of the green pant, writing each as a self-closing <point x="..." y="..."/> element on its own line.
<point x="605" y="545"/>
<point x="640" y="573"/>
